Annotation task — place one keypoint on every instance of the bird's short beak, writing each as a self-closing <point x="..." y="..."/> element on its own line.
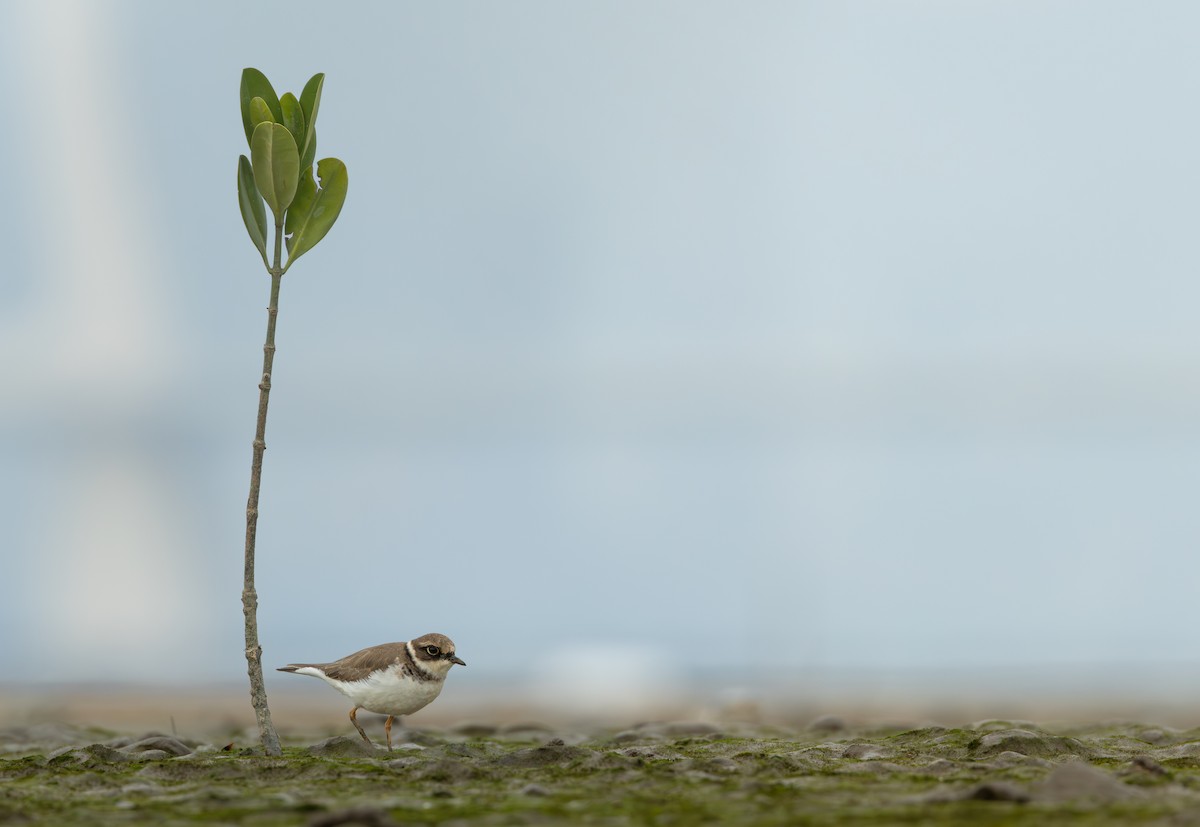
<point x="458" y="660"/>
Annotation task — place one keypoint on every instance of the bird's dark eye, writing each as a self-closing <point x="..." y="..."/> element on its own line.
<point x="433" y="651"/>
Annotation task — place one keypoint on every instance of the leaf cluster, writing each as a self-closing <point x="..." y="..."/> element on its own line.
<point x="282" y="136"/>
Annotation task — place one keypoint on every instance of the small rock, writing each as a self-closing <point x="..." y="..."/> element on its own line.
<point x="1076" y="780"/>
<point x="648" y="753"/>
<point x="1027" y="743"/>
<point x="827" y="724"/>
<point x="1153" y="735"/>
<point x="997" y="791"/>
<point x="342" y="746"/>
<point x="1016" y="759"/>
<point x="150" y="755"/>
<point x="423" y="737"/>
<point x="159" y="742"/>
<point x="1148" y="764"/>
<point x="996" y="724"/>
<point x="940" y="767"/>
<point x="94" y="754"/>
<point x="1190" y="749"/>
<point x="865" y="752"/>
<point x="535" y="790"/>
<point x="542" y="756"/>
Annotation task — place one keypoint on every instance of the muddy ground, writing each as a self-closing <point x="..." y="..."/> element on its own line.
<point x="682" y="773"/>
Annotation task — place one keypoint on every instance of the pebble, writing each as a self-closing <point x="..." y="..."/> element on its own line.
<point x="164" y="743"/>
<point x="342" y="746"/>
<point x="1075" y="780"/>
<point x="151" y="755"/>
<point x="1148" y="764"/>
<point x="1026" y="742"/>
<point x="998" y="791"/>
<point x="940" y="767"/>
<point x="865" y="752"/>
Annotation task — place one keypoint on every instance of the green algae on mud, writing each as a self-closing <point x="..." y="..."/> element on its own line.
<point x="989" y="773"/>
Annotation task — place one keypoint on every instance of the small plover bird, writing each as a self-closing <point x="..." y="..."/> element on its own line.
<point x="391" y="679"/>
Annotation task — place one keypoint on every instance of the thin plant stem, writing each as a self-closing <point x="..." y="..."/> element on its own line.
<point x="258" y="689"/>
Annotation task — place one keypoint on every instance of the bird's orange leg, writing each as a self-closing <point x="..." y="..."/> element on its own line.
<point x="387" y="728"/>
<point x="354" y="720"/>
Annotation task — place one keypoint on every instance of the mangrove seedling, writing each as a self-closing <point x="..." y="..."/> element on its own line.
<point x="283" y="145"/>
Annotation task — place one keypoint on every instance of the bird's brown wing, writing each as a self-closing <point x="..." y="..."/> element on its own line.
<point x="365" y="661"/>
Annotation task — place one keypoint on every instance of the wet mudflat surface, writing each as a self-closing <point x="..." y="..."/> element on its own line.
<point x="992" y="772"/>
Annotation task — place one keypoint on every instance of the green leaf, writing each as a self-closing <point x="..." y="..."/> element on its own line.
<point x="314" y="210"/>
<point x="310" y="154"/>
<point x="250" y="201"/>
<point x="293" y="117"/>
<point x="260" y="112"/>
<point x="256" y="85"/>
<point x="276" y="165"/>
<point x="310" y="102"/>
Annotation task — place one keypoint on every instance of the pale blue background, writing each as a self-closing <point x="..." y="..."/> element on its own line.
<point x="741" y="336"/>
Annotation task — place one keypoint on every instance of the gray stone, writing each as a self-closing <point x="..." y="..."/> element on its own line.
<point x="1077" y="781"/>
<point x="648" y="753"/>
<point x="1027" y="743"/>
<point x="159" y="742"/>
<point x="998" y="791"/>
<point x="550" y="754"/>
<point x="1156" y="735"/>
<point x="1189" y="749"/>
<point x="150" y="755"/>
<point x="1147" y="764"/>
<point x="865" y="752"/>
<point x="534" y="790"/>
<point x="1016" y="759"/>
<point x="343" y="746"/>
<point x="93" y="754"/>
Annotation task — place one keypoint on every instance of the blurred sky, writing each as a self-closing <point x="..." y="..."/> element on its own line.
<point x="748" y="337"/>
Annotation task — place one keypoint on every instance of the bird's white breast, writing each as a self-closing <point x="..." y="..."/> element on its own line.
<point x="386" y="692"/>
